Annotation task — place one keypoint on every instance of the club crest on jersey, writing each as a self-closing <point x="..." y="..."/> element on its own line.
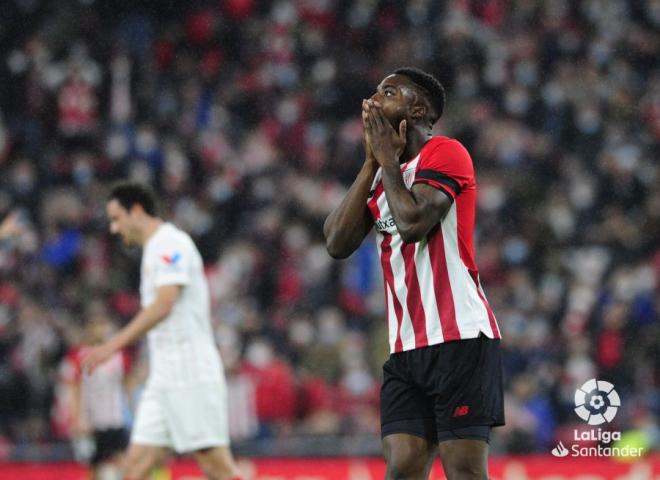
<point x="172" y="260"/>
<point x="408" y="177"/>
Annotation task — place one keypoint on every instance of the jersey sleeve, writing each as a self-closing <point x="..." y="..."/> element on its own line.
<point x="126" y="361"/>
<point x="171" y="262"/>
<point x="446" y="166"/>
<point x="70" y="369"/>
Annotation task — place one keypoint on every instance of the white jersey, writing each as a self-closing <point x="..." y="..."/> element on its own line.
<point x="182" y="350"/>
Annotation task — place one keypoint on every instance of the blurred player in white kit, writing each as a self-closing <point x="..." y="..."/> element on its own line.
<point x="184" y="405"/>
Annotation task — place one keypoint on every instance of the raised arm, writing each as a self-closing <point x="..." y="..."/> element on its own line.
<point x="348" y="224"/>
<point x="417" y="211"/>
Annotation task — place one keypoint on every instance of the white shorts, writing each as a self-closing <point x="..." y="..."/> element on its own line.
<point x="184" y="420"/>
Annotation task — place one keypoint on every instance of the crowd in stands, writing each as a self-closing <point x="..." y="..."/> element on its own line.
<point x="244" y="115"/>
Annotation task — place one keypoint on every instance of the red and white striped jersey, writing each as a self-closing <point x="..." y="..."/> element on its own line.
<point x="102" y="392"/>
<point x="432" y="287"/>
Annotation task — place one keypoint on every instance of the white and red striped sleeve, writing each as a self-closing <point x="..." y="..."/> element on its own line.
<point x="71" y="369"/>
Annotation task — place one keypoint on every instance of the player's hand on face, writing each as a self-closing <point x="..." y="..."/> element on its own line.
<point x="369" y="154"/>
<point x="385" y="143"/>
<point x="92" y="357"/>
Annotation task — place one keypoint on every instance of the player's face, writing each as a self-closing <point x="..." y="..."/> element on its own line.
<point x="97" y="330"/>
<point x="122" y="222"/>
<point x="397" y="98"/>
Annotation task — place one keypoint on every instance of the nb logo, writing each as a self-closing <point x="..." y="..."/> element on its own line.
<point x="461" y="411"/>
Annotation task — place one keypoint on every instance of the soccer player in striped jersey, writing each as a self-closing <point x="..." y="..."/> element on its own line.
<point x="442" y="386"/>
<point x="184" y="404"/>
<point x="97" y="401"/>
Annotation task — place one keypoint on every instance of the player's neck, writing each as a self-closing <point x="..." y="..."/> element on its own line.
<point x="151" y="225"/>
<point x="415" y="140"/>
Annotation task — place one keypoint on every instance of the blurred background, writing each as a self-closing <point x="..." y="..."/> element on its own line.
<point x="244" y="115"/>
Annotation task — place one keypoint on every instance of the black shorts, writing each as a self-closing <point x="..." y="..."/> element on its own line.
<point x="445" y="391"/>
<point x="108" y="443"/>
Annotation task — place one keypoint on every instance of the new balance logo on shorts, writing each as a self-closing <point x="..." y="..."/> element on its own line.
<point x="461" y="411"/>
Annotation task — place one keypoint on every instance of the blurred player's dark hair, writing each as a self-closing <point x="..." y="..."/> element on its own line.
<point x="132" y="193"/>
<point x="429" y="86"/>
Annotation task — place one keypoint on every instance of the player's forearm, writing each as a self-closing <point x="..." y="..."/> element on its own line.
<point x="407" y="213"/>
<point x="74" y="397"/>
<point x="144" y="321"/>
<point x="349" y="223"/>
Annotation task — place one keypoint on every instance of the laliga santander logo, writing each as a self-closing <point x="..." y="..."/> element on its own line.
<point x="596" y="402"/>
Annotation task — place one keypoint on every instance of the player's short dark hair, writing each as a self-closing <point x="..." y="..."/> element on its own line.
<point x="133" y="193"/>
<point x="429" y="86"/>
